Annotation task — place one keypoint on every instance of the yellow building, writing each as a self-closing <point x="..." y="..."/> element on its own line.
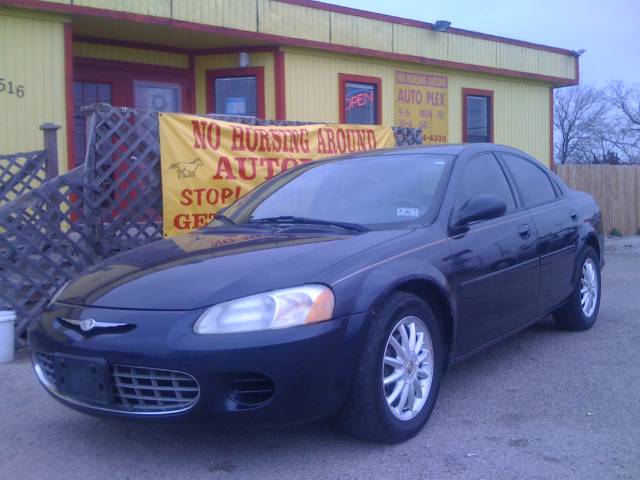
<point x="279" y="59"/>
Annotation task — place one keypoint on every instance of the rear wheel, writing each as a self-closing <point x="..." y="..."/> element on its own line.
<point x="398" y="378"/>
<point x="581" y="309"/>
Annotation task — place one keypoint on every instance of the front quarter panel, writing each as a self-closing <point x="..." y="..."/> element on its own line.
<point x="362" y="283"/>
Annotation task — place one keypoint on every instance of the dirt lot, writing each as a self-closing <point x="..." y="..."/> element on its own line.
<point x="544" y="404"/>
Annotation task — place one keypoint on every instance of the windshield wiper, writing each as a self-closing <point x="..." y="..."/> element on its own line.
<point x="224" y="218"/>
<point x="284" y="219"/>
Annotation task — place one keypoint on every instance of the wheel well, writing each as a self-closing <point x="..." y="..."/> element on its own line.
<point x="437" y="300"/>
<point x="592" y="241"/>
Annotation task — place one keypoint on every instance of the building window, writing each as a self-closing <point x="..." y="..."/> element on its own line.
<point x="477" y="115"/>
<point x="158" y="96"/>
<point x="236" y="92"/>
<point x="360" y="100"/>
<point x="86" y="93"/>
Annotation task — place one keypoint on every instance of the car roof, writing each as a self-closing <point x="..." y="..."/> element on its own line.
<point x="453" y="149"/>
<point x="447" y="149"/>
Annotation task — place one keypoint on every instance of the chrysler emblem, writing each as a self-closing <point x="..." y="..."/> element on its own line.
<point x="87" y="324"/>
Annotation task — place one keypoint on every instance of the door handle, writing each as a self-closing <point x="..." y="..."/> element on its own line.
<point x="574" y="216"/>
<point x="524" y="230"/>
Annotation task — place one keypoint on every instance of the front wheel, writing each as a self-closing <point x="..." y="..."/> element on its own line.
<point x="581" y="309"/>
<point x="398" y="378"/>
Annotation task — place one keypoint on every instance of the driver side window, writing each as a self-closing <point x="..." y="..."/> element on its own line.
<point x="483" y="175"/>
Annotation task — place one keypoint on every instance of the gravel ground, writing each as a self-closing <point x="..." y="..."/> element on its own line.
<point x="544" y="404"/>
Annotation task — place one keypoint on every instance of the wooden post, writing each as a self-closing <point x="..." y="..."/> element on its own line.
<point x="50" y="133"/>
<point x="91" y="207"/>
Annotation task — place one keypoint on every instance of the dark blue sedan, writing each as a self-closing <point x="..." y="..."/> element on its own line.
<point x="345" y="286"/>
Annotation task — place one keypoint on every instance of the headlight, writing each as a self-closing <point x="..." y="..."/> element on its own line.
<point x="270" y="310"/>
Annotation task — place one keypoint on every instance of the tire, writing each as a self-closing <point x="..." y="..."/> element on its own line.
<point x="573" y="315"/>
<point x="366" y="413"/>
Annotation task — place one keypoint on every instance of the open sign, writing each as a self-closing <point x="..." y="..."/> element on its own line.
<point x="359" y="98"/>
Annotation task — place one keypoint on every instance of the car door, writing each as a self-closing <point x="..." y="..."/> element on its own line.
<point x="495" y="260"/>
<point x="556" y="224"/>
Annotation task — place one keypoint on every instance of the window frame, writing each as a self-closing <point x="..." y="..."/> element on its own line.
<point x="121" y="75"/>
<point x="343" y="79"/>
<point x="474" y="92"/>
<point x="515" y="194"/>
<point x="512" y="178"/>
<point x="214" y="74"/>
<point x="77" y="158"/>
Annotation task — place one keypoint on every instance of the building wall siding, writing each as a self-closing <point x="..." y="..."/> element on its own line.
<point x="521" y="108"/>
<point x="33" y="56"/>
<point x="302" y="22"/>
<point x="212" y="62"/>
<point x="126" y="54"/>
<point x="156" y="8"/>
<point x="240" y="14"/>
<point x="299" y="22"/>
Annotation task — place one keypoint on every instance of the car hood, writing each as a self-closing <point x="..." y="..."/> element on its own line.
<point x="212" y="266"/>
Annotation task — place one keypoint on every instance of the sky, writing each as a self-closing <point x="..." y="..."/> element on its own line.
<point x="608" y="30"/>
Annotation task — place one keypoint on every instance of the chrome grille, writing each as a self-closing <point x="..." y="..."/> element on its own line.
<point x="147" y="389"/>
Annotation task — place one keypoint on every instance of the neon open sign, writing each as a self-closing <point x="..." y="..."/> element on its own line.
<point x="359" y="99"/>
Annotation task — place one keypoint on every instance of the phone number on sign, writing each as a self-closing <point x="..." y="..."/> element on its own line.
<point x="436" y="138"/>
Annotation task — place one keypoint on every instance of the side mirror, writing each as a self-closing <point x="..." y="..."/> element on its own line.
<point x="481" y="207"/>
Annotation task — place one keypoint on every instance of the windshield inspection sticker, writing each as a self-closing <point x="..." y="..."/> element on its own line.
<point x="407" y="212"/>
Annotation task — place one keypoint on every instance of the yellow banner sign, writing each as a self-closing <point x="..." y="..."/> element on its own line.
<point x="208" y="164"/>
<point x="422" y="102"/>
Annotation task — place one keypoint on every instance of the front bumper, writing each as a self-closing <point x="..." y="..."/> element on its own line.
<point x="309" y="368"/>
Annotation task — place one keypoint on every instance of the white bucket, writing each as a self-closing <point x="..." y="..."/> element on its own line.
<point x="7" y="329"/>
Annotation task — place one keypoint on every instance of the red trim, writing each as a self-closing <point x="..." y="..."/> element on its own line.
<point x="258" y="72"/>
<point x="280" y="85"/>
<point x="481" y="93"/>
<point x="122" y="74"/>
<point x="68" y="92"/>
<point x="552" y="164"/>
<point x="279" y="39"/>
<point x="343" y="78"/>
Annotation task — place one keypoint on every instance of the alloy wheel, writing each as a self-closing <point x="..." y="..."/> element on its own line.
<point x="407" y="368"/>
<point x="589" y="288"/>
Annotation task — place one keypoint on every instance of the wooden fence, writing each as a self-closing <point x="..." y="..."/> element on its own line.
<point x="616" y="188"/>
<point x="22" y="172"/>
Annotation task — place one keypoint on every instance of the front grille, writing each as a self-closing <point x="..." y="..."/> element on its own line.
<point x="137" y="389"/>
<point x="151" y="390"/>
<point x="251" y="390"/>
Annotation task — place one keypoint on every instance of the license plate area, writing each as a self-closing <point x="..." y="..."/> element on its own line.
<point x="83" y="378"/>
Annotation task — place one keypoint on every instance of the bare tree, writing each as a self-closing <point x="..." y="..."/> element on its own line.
<point x="580" y="115"/>
<point x="625" y="121"/>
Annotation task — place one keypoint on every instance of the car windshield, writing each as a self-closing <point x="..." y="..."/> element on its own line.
<point x="371" y="190"/>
